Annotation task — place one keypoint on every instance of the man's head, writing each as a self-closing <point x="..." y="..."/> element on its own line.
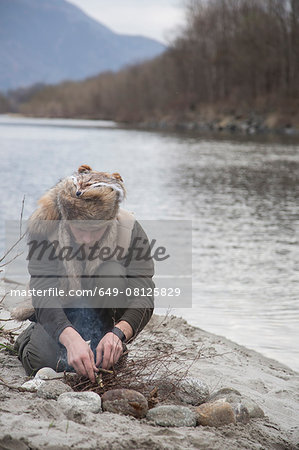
<point x="88" y="232"/>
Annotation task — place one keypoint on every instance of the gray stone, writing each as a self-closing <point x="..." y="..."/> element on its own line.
<point x="225" y="393"/>
<point x="77" y="416"/>
<point x="215" y="414"/>
<point x="46" y="373"/>
<point x="231" y="398"/>
<point x="166" y="387"/>
<point x="172" y="416"/>
<point x="192" y="391"/>
<point x="76" y="404"/>
<point x="253" y="408"/>
<point x="52" y="389"/>
<point x="125" y="401"/>
<point x="33" y="385"/>
<point x="241" y="413"/>
<point x="239" y="403"/>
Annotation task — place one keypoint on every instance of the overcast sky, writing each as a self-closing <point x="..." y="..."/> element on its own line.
<point x="158" y="19"/>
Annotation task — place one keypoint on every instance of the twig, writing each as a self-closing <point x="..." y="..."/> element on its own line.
<point x="81" y="383"/>
<point x="11" y="248"/>
<point x="106" y="371"/>
<point x="15" y="388"/>
<point x="12" y="259"/>
<point x="216" y="354"/>
<point x="21" y="218"/>
<point x="3" y="297"/>
<point x="8" y="280"/>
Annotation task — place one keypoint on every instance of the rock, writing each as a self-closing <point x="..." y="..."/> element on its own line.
<point x="236" y="399"/>
<point x="241" y="413"/>
<point x="76" y="415"/>
<point x="225" y="393"/>
<point x="76" y="405"/>
<point x="215" y="414"/>
<point x="52" y="389"/>
<point x="253" y="408"/>
<point x="46" y="373"/>
<point x="33" y="385"/>
<point x="125" y="401"/>
<point x="166" y="387"/>
<point x="192" y="391"/>
<point x="172" y="416"/>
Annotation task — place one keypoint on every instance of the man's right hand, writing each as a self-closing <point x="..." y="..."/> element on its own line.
<point x="79" y="353"/>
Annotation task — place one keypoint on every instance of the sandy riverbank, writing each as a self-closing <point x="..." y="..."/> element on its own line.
<point x="28" y="421"/>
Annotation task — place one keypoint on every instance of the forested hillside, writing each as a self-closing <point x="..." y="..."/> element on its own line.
<point x="233" y="57"/>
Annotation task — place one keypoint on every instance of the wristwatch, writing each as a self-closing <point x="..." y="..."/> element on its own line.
<point x="119" y="333"/>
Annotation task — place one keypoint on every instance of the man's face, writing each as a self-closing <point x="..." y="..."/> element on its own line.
<point x="85" y="235"/>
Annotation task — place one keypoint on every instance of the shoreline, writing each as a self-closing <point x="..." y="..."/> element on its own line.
<point x="223" y="125"/>
<point x="223" y="364"/>
<point x="219" y="126"/>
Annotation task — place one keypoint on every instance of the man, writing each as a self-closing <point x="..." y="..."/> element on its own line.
<point x="80" y="242"/>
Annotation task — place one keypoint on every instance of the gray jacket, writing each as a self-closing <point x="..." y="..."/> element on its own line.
<point x="45" y="273"/>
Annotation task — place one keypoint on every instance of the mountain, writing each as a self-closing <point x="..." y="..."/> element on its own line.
<point x="49" y="41"/>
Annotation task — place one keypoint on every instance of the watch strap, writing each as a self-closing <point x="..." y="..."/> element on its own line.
<point x="117" y="331"/>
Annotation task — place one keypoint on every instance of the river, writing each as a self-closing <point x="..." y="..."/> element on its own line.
<point x="241" y="194"/>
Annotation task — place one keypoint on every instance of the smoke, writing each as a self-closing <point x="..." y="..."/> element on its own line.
<point x="90" y="324"/>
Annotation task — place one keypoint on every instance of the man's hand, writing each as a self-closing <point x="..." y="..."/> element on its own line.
<point x="109" y="350"/>
<point x="110" y="347"/>
<point x="79" y="353"/>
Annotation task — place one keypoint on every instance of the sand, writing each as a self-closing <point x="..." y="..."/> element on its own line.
<point x="29" y="422"/>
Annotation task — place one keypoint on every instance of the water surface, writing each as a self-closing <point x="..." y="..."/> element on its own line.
<point x="242" y="196"/>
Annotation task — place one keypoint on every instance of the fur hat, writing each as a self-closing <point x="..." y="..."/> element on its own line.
<point x="86" y="195"/>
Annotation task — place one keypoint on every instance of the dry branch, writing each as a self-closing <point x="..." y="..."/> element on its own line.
<point x="155" y="375"/>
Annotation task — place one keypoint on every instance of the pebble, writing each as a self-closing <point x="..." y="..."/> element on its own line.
<point x="215" y="414"/>
<point x="125" y="401"/>
<point x="75" y="405"/>
<point x="241" y="413"/>
<point x="253" y="408"/>
<point x="166" y="387"/>
<point x="51" y="390"/>
<point x="236" y="399"/>
<point x="46" y="373"/>
<point x="32" y="385"/>
<point x="225" y="393"/>
<point x="172" y="416"/>
<point x="192" y="391"/>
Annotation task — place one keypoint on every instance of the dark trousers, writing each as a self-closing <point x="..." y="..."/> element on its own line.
<point x="37" y="349"/>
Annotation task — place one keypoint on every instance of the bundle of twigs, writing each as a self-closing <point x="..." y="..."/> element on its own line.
<point x="154" y="373"/>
